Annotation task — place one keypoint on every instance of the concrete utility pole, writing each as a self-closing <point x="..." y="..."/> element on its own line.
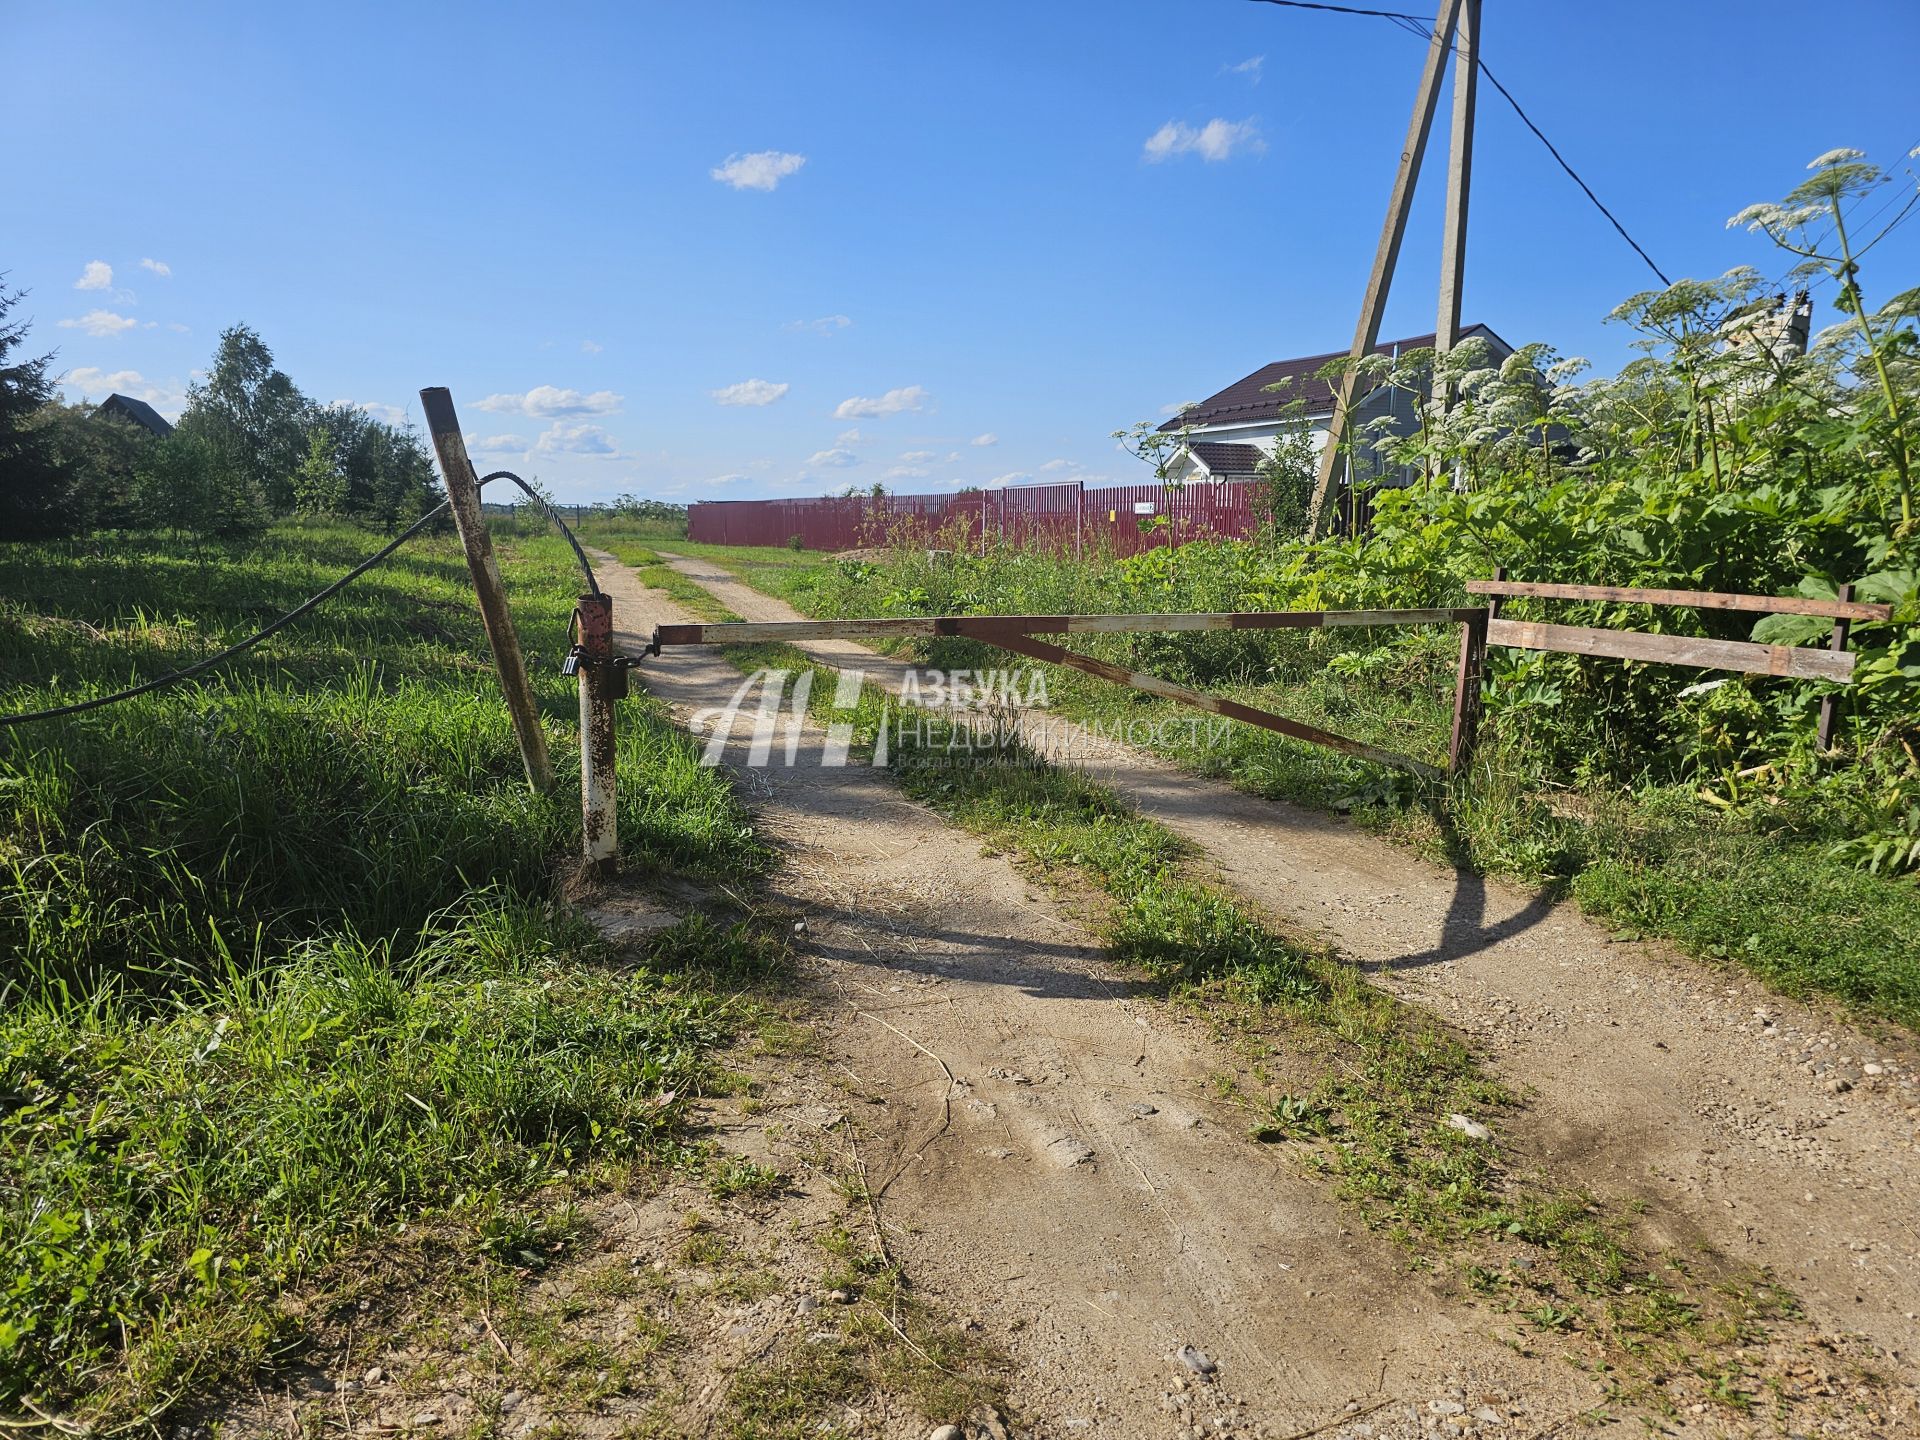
<point x="1367" y="333"/>
<point x="1453" y="239"/>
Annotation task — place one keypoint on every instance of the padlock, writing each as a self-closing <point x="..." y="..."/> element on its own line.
<point x="617" y="678"/>
<point x="571" y="665"/>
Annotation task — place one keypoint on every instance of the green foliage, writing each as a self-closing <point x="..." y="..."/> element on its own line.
<point x="30" y="474"/>
<point x="319" y="485"/>
<point x="1288" y="473"/>
<point x="250" y="417"/>
<point x="386" y="476"/>
<point x="666" y="519"/>
<point x="99" y="458"/>
<point x="285" y="968"/>
<point x="187" y="483"/>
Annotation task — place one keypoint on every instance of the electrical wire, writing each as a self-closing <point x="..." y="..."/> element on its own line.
<point x="1422" y="25"/>
<point x="174" y="677"/>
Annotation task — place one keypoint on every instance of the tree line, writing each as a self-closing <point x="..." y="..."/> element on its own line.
<point x="249" y="448"/>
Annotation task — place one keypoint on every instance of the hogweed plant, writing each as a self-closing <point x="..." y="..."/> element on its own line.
<point x="1812" y="223"/>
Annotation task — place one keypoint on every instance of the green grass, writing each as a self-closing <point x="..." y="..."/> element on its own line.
<point x="285" y="967"/>
<point x="1756" y="884"/>
<point x="764" y="569"/>
<point x="650" y="569"/>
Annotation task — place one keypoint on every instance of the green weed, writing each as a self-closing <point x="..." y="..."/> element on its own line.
<point x="285" y="969"/>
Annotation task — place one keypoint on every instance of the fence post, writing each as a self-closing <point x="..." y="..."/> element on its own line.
<point x="1468" y="680"/>
<point x="1466" y="691"/>
<point x="1830" y="705"/>
<point x="463" y="490"/>
<point x="599" y="687"/>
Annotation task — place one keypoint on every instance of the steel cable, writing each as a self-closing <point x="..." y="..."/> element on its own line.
<point x="199" y="667"/>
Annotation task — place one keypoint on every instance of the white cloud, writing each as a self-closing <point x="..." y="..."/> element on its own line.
<point x="500" y="444"/>
<point x="1180" y="409"/>
<point x="835" y="458"/>
<point x="1250" y="67"/>
<point x="591" y="347"/>
<point x="575" y="440"/>
<point x="825" y="325"/>
<point x="100" y="324"/>
<point x="178" y="328"/>
<point x="546" y="402"/>
<point x="158" y="267"/>
<point x="1053" y="467"/>
<point x="907" y="472"/>
<point x="917" y="457"/>
<point x="88" y="382"/>
<point x="1216" y="140"/>
<point x="725" y="480"/>
<point x="848" y="437"/>
<point x="860" y="407"/>
<point x="987" y="439"/>
<point x="97" y="276"/>
<point x="1012" y="477"/>
<point x="751" y="392"/>
<point x="761" y="170"/>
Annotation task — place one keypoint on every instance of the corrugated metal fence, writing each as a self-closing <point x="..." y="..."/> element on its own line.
<point x="1124" y="519"/>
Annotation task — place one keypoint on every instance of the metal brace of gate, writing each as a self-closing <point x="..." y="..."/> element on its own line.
<point x="1016" y="634"/>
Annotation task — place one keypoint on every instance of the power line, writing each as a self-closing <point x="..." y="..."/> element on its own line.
<point x="1422" y="25"/>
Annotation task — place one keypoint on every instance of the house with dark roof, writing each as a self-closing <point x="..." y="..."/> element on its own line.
<point x="134" y="412"/>
<point x="1230" y="434"/>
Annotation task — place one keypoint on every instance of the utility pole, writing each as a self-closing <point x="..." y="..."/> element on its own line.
<point x="1367" y="333"/>
<point x="1453" y="239"/>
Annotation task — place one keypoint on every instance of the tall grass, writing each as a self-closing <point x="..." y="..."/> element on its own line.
<point x="283" y="966"/>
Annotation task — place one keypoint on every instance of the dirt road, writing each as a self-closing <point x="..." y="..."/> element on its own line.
<point x="1050" y="1159"/>
<point x="1768" y="1129"/>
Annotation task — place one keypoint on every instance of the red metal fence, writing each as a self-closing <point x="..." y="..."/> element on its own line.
<point x="1122" y="518"/>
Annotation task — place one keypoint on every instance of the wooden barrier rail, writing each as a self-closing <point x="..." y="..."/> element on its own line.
<point x="1751" y="657"/>
<point x="1840" y="609"/>
<point x="1747" y="656"/>
<point x="757" y="632"/>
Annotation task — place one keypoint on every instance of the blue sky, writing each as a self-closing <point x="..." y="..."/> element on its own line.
<point x="947" y="252"/>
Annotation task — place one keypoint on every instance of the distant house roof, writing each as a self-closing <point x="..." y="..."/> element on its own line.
<point x="138" y="412"/>
<point x="1250" y="400"/>
<point x="1227" y="461"/>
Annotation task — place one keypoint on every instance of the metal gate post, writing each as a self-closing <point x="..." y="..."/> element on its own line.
<point x="463" y="490"/>
<point x="599" y="686"/>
